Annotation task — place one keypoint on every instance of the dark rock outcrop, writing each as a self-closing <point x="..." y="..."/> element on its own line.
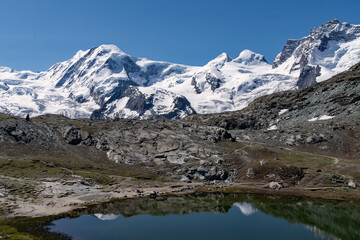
<point x="213" y="81"/>
<point x="75" y="136"/>
<point x="308" y="76"/>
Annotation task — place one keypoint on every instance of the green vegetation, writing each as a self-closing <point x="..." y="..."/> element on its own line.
<point x="4" y="116"/>
<point x="230" y="146"/>
<point x="21" y="176"/>
<point x="7" y="232"/>
<point x="283" y="156"/>
<point x="25" y="228"/>
<point x="97" y="178"/>
<point x="30" y="169"/>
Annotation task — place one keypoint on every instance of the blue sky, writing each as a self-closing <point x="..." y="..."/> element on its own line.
<point x="38" y="33"/>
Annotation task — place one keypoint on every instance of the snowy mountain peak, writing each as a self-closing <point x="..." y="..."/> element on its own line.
<point x="220" y="60"/>
<point x="328" y="25"/>
<point x="102" y="50"/>
<point x="6" y="69"/>
<point x="335" y="30"/>
<point x="248" y="57"/>
<point x="104" y="82"/>
<point x="111" y="48"/>
<point x="329" y="49"/>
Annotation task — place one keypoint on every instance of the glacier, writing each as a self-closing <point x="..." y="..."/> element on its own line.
<point x="106" y="83"/>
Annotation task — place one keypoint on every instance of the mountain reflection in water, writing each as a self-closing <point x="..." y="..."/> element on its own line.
<point x="214" y="216"/>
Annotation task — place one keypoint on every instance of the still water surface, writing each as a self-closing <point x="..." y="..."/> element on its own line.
<point x="215" y="217"/>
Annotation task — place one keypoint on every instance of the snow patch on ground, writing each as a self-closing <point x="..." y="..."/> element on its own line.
<point x="272" y="127"/>
<point x="283" y="111"/>
<point x="323" y="117"/>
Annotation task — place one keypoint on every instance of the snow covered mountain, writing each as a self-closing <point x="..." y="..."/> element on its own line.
<point x="104" y="82"/>
<point x="330" y="49"/>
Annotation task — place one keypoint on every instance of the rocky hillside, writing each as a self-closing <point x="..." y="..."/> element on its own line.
<point x="274" y="139"/>
<point x="325" y="115"/>
<point x="106" y="83"/>
<point x="158" y="145"/>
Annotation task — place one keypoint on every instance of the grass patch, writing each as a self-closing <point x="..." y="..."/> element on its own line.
<point x="97" y="178"/>
<point x="42" y="167"/>
<point x="22" y="189"/>
<point x="31" y="169"/>
<point x="7" y="232"/>
<point x="230" y="146"/>
<point x="4" y="116"/>
<point x="25" y="228"/>
<point x="269" y="153"/>
<point x="301" y="159"/>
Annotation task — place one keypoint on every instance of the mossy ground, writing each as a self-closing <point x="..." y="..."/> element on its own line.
<point x="25" y="228"/>
<point x="267" y="159"/>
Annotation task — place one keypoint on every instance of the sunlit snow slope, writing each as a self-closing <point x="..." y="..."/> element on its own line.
<point x="105" y="83"/>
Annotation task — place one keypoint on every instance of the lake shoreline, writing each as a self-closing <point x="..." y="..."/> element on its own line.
<point x="32" y="216"/>
<point x="57" y="199"/>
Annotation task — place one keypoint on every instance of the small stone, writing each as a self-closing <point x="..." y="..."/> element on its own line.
<point x="185" y="179"/>
<point x="275" y="185"/>
<point x="352" y="184"/>
<point x="250" y="172"/>
<point x="290" y="141"/>
<point x="270" y="175"/>
<point x="153" y="194"/>
<point x="337" y="179"/>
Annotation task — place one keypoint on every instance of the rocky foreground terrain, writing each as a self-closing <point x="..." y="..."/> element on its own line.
<point x="304" y="142"/>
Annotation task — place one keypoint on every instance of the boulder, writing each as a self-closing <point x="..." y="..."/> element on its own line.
<point x="75" y="136"/>
<point x="352" y="184"/>
<point x="250" y="172"/>
<point x="185" y="179"/>
<point x="275" y="185"/>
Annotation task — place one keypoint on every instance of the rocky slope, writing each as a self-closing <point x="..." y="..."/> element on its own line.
<point x="106" y="83"/>
<point x="322" y="119"/>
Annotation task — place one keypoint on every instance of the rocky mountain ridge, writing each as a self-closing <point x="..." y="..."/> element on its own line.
<point x="329" y="49"/>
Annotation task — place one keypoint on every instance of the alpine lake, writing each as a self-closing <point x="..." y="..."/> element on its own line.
<point x="214" y="216"/>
